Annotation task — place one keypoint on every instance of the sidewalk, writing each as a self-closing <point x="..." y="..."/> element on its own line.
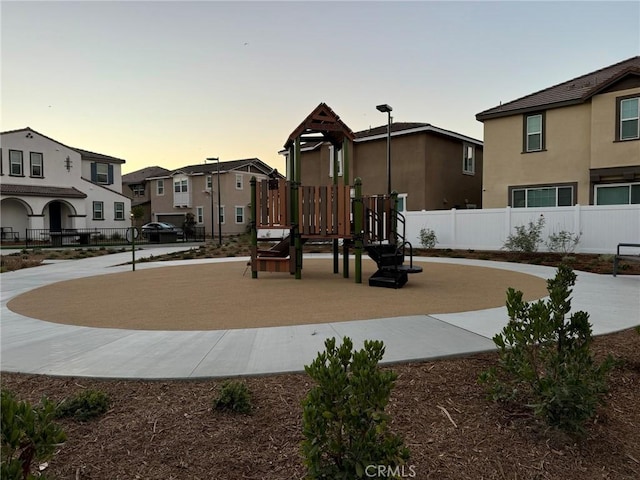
<point x="33" y="346"/>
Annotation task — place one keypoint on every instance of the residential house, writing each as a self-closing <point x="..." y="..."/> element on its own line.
<point x="48" y="185"/>
<point x="431" y="168"/>
<point x="194" y="189"/>
<point x="136" y="186"/>
<point x="577" y="142"/>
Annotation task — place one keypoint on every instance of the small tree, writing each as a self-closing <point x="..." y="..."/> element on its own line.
<point x="28" y="434"/>
<point x="545" y="361"/>
<point x="344" y="423"/>
<point x="527" y="238"/>
<point x="563" y="242"/>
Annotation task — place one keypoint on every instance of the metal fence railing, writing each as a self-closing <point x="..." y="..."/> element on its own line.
<point x="41" y="237"/>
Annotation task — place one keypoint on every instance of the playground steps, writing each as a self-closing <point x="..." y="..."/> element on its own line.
<point x="391" y="273"/>
<point x="276" y="259"/>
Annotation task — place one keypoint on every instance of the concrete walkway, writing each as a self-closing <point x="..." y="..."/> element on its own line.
<point x="34" y="346"/>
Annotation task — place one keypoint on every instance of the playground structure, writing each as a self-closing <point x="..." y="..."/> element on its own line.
<point x="337" y="212"/>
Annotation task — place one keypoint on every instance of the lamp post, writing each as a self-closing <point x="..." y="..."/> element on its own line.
<point x="217" y="159"/>
<point x="384" y="108"/>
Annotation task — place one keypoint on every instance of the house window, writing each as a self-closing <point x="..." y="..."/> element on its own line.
<point x="239" y="214"/>
<point x="629" y="109"/>
<point x="402" y="202"/>
<point x="534" y="132"/>
<point x="35" y="160"/>
<point x="561" y="196"/>
<point x="15" y="163"/>
<point x="180" y="186"/>
<point x="118" y="209"/>
<point x="221" y="214"/>
<point x="102" y="173"/>
<point x="239" y="181"/>
<point x="98" y="210"/>
<point x="138" y="190"/>
<point x="468" y="159"/>
<point x="200" y="215"/>
<point x="618" y="194"/>
<point x="159" y="187"/>
<point x="340" y="162"/>
<point x="209" y="182"/>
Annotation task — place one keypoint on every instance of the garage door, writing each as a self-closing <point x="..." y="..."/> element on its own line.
<point x="176" y="219"/>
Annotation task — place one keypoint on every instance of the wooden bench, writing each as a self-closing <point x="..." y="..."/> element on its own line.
<point x="620" y="256"/>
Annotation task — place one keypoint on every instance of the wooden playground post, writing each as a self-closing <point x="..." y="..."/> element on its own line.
<point x="334" y="161"/>
<point x="358" y="229"/>
<point x="295" y="210"/>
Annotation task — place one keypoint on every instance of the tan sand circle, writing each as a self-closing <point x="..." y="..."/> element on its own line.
<point x="217" y="296"/>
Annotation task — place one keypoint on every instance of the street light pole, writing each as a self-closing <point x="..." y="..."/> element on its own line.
<point x="211" y="195"/>
<point x="384" y="108"/>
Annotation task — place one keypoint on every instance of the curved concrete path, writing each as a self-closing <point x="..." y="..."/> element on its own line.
<point x="33" y="346"/>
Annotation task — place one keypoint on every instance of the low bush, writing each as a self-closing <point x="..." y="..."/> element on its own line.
<point x="85" y="405"/>
<point x="563" y="242"/>
<point x="234" y="396"/>
<point x="527" y="238"/>
<point x="428" y="238"/>
<point x="545" y="361"/>
<point x="344" y="423"/>
<point x="29" y="434"/>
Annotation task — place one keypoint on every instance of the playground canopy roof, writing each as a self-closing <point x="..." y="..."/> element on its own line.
<point x="322" y="120"/>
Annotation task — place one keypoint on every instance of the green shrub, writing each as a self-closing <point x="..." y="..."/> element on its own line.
<point x="234" y="396"/>
<point x="527" y="238"/>
<point x="428" y="238"/>
<point x="85" y="405"/>
<point x="28" y="434"/>
<point x="563" y="242"/>
<point x="545" y="361"/>
<point x="344" y="422"/>
<point x="116" y="236"/>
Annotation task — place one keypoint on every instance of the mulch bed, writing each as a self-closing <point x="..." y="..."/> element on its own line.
<point x="164" y="430"/>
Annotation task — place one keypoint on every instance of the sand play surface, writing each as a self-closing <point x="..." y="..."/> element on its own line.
<point x="222" y="296"/>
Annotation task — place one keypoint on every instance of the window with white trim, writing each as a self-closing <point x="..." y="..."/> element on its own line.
<point x="209" y="182"/>
<point x="239" y="181"/>
<point x="402" y="202"/>
<point x="534" y="132"/>
<point x="180" y="185"/>
<point x="138" y="190"/>
<point x="560" y="196"/>
<point x="118" y="210"/>
<point x="15" y="163"/>
<point x="340" y="161"/>
<point x="221" y="214"/>
<point x="102" y="173"/>
<point x="159" y="187"/>
<point x="239" y="214"/>
<point x="36" y="164"/>
<point x="199" y="215"/>
<point x="617" y="194"/>
<point x="468" y="159"/>
<point x="630" y="119"/>
<point x="98" y="210"/>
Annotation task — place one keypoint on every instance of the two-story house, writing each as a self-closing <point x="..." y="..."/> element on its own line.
<point x="431" y="168"/>
<point x="577" y="142"/>
<point x="48" y="185"/>
<point x="196" y="189"/>
<point x="136" y="186"/>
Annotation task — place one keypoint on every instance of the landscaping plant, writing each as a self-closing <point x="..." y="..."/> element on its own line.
<point x="85" y="405"/>
<point x="234" y="396"/>
<point x="344" y="423"/>
<point x="428" y="238"/>
<point x="28" y="434"/>
<point x="563" y="242"/>
<point x="527" y="238"/>
<point x="545" y="361"/>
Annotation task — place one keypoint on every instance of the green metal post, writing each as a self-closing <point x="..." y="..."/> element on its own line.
<point x="358" y="227"/>
<point x="295" y="214"/>
<point x="254" y="226"/>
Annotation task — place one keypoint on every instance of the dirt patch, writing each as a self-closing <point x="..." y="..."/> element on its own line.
<point x="161" y="430"/>
<point x="218" y="296"/>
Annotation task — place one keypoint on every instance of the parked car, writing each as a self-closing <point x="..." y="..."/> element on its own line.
<point x="149" y="229"/>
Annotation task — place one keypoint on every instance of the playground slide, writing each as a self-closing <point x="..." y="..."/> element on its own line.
<point x="280" y="249"/>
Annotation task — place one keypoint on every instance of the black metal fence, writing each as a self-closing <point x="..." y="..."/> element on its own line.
<point x="38" y="237"/>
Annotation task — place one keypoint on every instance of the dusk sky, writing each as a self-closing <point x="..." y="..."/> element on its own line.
<point x="171" y="83"/>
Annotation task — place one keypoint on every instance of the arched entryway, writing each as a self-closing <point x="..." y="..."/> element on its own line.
<point x="57" y="215"/>
<point x="14" y="213"/>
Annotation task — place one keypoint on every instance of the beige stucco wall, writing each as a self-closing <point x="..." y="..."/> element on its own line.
<point x="566" y="157"/>
<point x="605" y="151"/>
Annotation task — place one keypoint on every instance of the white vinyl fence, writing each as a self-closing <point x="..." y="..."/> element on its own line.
<point x="602" y="227"/>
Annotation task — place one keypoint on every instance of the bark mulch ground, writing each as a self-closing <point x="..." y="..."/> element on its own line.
<point x="168" y="430"/>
